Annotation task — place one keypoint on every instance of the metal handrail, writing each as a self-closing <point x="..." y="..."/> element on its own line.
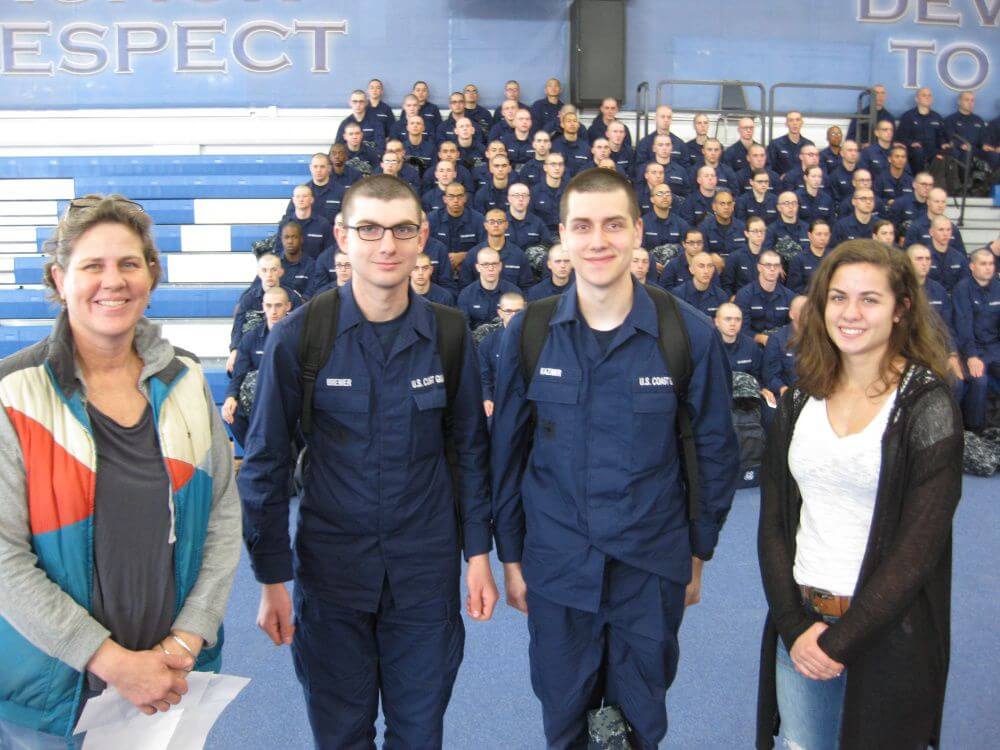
<point x="760" y="114"/>
<point x="829" y="115"/>
<point x="641" y="111"/>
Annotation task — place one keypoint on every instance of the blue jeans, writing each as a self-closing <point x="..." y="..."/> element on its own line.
<point x="810" y="709"/>
<point x="16" y="737"/>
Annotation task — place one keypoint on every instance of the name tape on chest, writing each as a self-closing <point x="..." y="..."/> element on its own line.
<point x="655" y="381"/>
<point x="339" y="382"/>
<point x="416" y="383"/>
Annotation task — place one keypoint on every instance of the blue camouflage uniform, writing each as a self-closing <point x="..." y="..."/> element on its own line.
<point x="516" y="268"/>
<point x="977" y="323"/>
<point x="377" y="552"/>
<point x="778" y="363"/>
<point x="457" y="233"/>
<point x="480" y="304"/>
<point x="657" y="231"/>
<point x="762" y="310"/>
<point x="800" y="270"/>
<point x="607" y="553"/>
<point x="706" y="301"/>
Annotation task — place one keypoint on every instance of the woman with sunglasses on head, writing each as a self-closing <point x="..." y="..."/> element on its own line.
<point x="861" y="477"/>
<point x="119" y="520"/>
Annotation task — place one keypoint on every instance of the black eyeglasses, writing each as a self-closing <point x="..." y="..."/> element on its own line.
<point x="80" y="203"/>
<point x="372" y="232"/>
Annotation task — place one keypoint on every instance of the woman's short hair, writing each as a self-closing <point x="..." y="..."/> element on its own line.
<point x="918" y="337"/>
<point x="82" y="215"/>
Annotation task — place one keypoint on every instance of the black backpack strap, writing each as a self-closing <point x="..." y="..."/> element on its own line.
<point x="319" y="330"/>
<point x="452" y="333"/>
<point x="675" y="346"/>
<point x="534" y="331"/>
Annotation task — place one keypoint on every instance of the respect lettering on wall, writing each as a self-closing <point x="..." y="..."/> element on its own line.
<point x="960" y="65"/>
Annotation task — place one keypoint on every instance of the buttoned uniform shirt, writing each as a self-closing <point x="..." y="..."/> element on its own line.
<point x="849" y="228"/>
<point x="457" y="233"/>
<point x="624" y="160"/>
<point x="840" y="183"/>
<point x="532" y="173"/>
<point x="783" y="153"/>
<point x="893" y="188"/>
<point x="547" y="288"/>
<point x="829" y="160"/>
<point x="529" y="231"/>
<point x="598" y="475"/>
<point x="248" y="356"/>
<point x="940" y="301"/>
<point x="373" y="129"/>
<point x="977" y="315"/>
<point x="744" y="176"/>
<point x="705" y="301"/>
<point x="298" y="275"/>
<point x="740" y="270"/>
<point x="906" y="209"/>
<point x="948" y="268"/>
<point x="432" y="117"/>
<point x="657" y="231"/>
<point x="846" y="207"/>
<point x="858" y="130"/>
<point x="819" y="206"/>
<point x="763" y="310"/>
<point x="726" y="177"/>
<point x="800" y="270"/>
<point x="519" y="152"/>
<point x="680" y="152"/>
<point x="252" y="299"/>
<point x="480" y="304"/>
<point x="676" y="271"/>
<point x="545" y="203"/>
<point x="875" y="159"/>
<point x="744" y="356"/>
<point x="327" y="198"/>
<point x="696" y="207"/>
<point x="674" y="175"/>
<point x="920" y="232"/>
<point x="576" y="153"/>
<point x="440" y="295"/>
<point x="378" y="501"/>
<point x="778" y="362"/>
<point x="488" y="353"/>
<point x="489" y="196"/>
<point x="317" y="234"/>
<point x="543" y="112"/>
<point x="723" y="239"/>
<point x="927" y="130"/>
<point x="747" y="205"/>
<point x="481" y="117"/>
<point x="516" y="268"/>
<point x="797" y="232"/>
<point x="735" y="156"/>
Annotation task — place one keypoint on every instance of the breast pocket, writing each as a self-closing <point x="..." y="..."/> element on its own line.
<point x="556" y="399"/>
<point x="427" y="421"/>
<point x="338" y="411"/>
<point x="654" y="409"/>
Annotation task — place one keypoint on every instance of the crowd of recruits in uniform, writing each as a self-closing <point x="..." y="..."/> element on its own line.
<point x="731" y="203"/>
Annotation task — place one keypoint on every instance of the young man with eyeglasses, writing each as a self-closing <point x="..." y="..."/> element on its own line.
<point x="678" y="270"/>
<point x="420" y="282"/>
<point x="488" y="350"/>
<point x="516" y="268"/>
<point x="759" y="200"/>
<point x="480" y="299"/>
<point x="859" y="222"/>
<point x="373" y="127"/>
<point x="376" y="563"/>
<point x="765" y="301"/>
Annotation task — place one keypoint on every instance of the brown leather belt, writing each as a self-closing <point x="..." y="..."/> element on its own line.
<point x="824" y="603"/>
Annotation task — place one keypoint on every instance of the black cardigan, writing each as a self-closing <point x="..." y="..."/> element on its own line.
<point x="894" y="640"/>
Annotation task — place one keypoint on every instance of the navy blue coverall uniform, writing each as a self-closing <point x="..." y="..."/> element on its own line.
<point x="800" y="270"/>
<point x="707" y="301"/>
<point x="248" y="356"/>
<point x="657" y="231"/>
<point x="977" y="322"/>
<point x="762" y="310"/>
<point x="740" y="269"/>
<point x="377" y="552"/>
<point x="546" y="288"/>
<point x="747" y="205"/>
<point x="594" y="510"/>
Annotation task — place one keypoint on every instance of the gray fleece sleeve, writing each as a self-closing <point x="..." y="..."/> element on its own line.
<point x="29" y="600"/>
<point x="205" y="605"/>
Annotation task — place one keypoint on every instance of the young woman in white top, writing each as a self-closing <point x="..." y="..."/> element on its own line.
<point x="861" y="478"/>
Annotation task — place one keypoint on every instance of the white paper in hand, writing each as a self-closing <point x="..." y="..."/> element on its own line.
<point x="112" y="723"/>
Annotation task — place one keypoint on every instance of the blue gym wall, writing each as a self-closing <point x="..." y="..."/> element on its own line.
<point x="451" y="42"/>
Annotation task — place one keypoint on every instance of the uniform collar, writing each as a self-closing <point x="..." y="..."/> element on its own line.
<point x="417" y="316"/>
<point x="641" y="317"/>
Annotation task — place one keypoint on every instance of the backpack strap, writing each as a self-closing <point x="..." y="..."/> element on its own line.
<point x="319" y="330"/>
<point x="675" y="346"/>
<point x="451" y="337"/>
<point x="534" y="332"/>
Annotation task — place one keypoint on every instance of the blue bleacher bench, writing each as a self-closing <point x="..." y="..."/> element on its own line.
<point x="168" y="237"/>
<point x="196" y="301"/>
<point x="124" y="166"/>
<point x="183" y="186"/>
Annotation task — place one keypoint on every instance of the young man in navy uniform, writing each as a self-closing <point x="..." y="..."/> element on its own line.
<point x="610" y="558"/>
<point x="376" y="563"/>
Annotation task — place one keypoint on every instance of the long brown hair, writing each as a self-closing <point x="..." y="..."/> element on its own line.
<point x="918" y="337"/>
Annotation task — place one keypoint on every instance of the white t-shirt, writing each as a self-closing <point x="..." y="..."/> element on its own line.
<point x="838" y="479"/>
